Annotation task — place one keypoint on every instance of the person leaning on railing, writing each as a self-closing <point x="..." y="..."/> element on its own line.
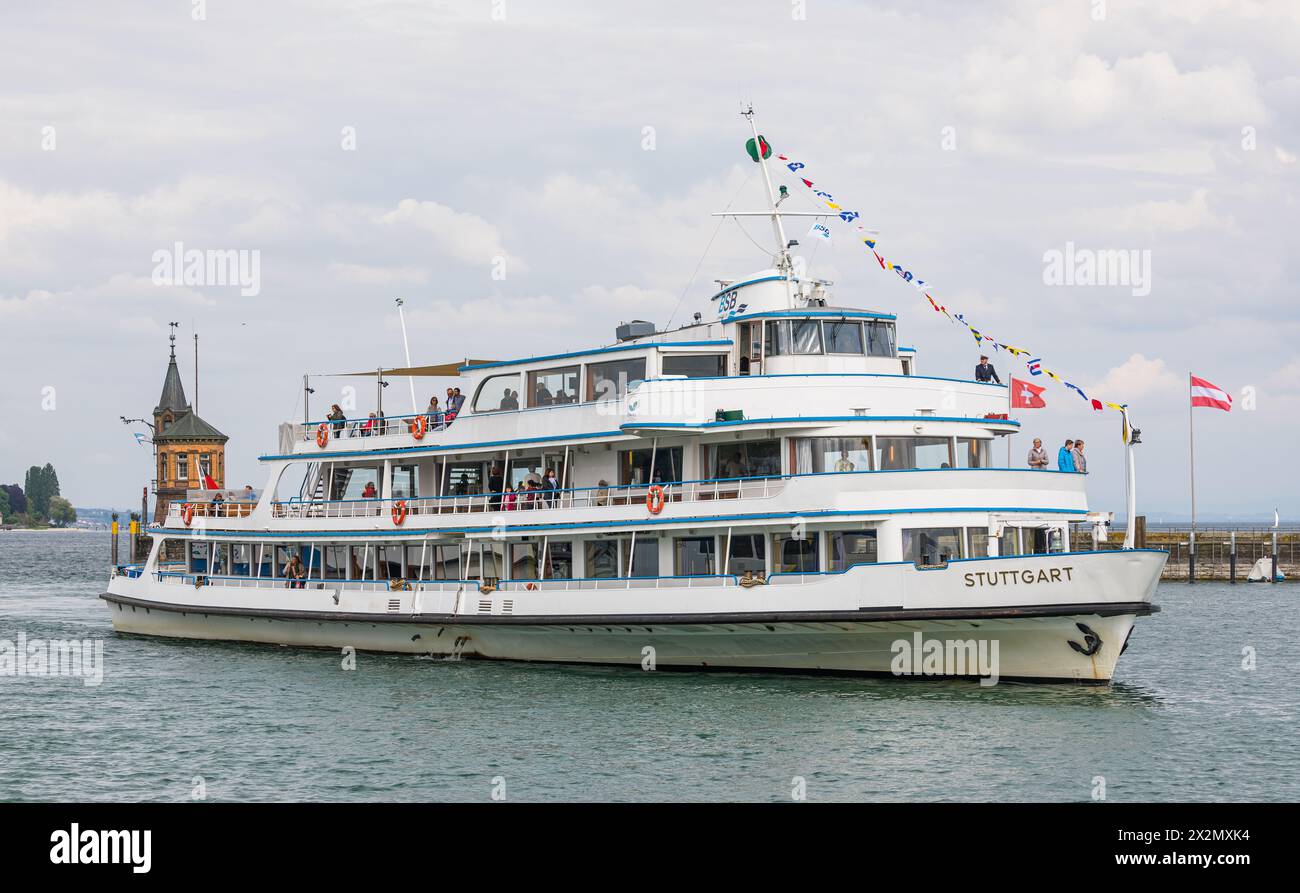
<point x="338" y="418"/>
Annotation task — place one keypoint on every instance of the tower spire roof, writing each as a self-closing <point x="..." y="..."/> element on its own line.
<point x="173" y="392"/>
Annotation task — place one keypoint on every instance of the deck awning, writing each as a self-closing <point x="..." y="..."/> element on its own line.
<point x="441" y="370"/>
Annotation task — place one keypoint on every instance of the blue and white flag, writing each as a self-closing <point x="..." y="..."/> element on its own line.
<point x="1035" y="367"/>
<point x="820" y="231"/>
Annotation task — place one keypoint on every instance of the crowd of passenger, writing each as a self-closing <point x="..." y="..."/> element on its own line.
<point x="1069" y="457"/>
<point x="437" y="418"/>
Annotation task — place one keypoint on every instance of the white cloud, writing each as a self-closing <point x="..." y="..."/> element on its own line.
<point x="1138" y="378"/>
<point x="465" y="237"/>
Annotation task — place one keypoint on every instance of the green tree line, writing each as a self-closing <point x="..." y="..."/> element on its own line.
<point x="37" y="502"/>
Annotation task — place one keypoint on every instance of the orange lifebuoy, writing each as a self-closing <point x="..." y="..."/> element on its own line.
<point x="322" y="435"/>
<point x="531" y="586"/>
<point x="399" y="512"/>
<point x="187" y="513"/>
<point x="418" y="426"/>
<point x="654" y="499"/>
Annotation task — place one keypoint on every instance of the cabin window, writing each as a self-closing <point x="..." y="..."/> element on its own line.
<point x="523" y="560"/>
<point x="852" y="547"/>
<point x="335" y="562"/>
<point x="1009" y="542"/>
<point x="844" y="336"/>
<point x="363" y="563"/>
<point x="558" y="562"/>
<point x="806" y="336"/>
<point x="446" y="563"/>
<point x="406" y="481"/>
<point x="242" y="563"/>
<point x="634" y="466"/>
<point x="932" y="545"/>
<point x="355" y="482"/>
<point x="551" y="387"/>
<point x="464" y="478"/>
<point x="699" y="365"/>
<point x="880" y="339"/>
<point x="198" y="558"/>
<point x="978" y="537"/>
<point x="974" y="452"/>
<point x="743" y="459"/>
<point x="390" y="563"/>
<point x="609" y="381"/>
<point x="498" y="392"/>
<point x="816" y="455"/>
<point x="776" y="338"/>
<point x="747" y="553"/>
<point x="694" y="556"/>
<point x="894" y="453"/>
<point x="795" y="554"/>
<point x="602" y="558"/>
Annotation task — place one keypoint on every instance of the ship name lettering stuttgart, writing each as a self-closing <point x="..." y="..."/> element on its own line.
<point x="1010" y="578"/>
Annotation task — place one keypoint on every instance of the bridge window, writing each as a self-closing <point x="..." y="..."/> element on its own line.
<point x="498" y="392"/>
<point x="895" y="453"/>
<point x="609" y="381"/>
<point x="814" y="455"/>
<point x="798" y="336"/>
<point x="932" y="545"/>
<point x="844" y="336"/>
<point x="699" y="365"/>
<point x="551" y="387"/>
<point x="881" y="339"/>
<point x="853" y="547"/>
<point x="795" y="554"/>
<point x="742" y="459"/>
<point x="974" y="452"/>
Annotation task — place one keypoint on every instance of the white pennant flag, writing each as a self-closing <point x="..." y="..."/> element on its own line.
<point x="820" y="231"/>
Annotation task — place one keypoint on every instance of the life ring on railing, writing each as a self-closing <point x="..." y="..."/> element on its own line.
<point x="187" y="513"/>
<point x="418" y="426"/>
<point x="654" y="500"/>
<point x="399" y="512"/>
<point x="322" y="435"/>
<point x="531" y="586"/>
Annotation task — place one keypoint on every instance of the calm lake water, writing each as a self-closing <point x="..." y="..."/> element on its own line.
<point x="1184" y="721"/>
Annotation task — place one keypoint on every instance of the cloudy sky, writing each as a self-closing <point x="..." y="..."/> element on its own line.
<point x="371" y="149"/>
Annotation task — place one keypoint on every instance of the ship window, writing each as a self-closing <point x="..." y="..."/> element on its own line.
<point x="634" y="466"/>
<point x="335" y="562"/>
<point x="776" y="335"/>
<point x="852" y="547"/>
<point x="742" y="459"/>
<point x="973" y="452"/>
<point x="464" y="478"/>
<point x="932" y="545"/>
<point x="844" y="337"/>
<point x="602" y="558"/>
<point x="794" y="554"/>
<point x="551" y="387"/>
<point x="880" y="339"/>
<point x="893" y="453"/>
<point x="700" y="365"/>
<point x="645" y="558"/>
<point x="198" y="558"/>
<point x="747" y="553"/>
<point x="498" y="392"/>
<point x="390" y="563"/>
<point x="558" y="563"/>
<point x="363" y="562"/>
<point x="979" y="542"/>
<point x="446" y="563"/>
<point x="351" y="482"/>
<point x="242" y="562"/>
<point x="806" y="336"/>
<point x="694" y="555"/>
<point x="406" y="481"/>
<point x="609" y="381"/>
<point x="815" y="455"/>
<point x="523" y="561"/>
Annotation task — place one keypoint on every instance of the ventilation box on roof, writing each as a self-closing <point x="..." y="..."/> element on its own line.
<point x="637" y="328"/>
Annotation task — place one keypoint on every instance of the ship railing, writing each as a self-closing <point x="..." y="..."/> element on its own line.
<point x="697" y="581"/>
<point x="533" y="500"/>
<point x="371" y="428"/>
<point x="237" y="508"/>
<point x="239" y="581"/>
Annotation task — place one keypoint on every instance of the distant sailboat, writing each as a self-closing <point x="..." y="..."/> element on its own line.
<point x="1259" y="573"/>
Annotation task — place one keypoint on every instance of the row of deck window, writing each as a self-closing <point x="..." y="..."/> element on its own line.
<point x="612" y="557"/>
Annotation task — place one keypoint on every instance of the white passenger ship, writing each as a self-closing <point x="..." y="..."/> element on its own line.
<point x="776" y="487"/>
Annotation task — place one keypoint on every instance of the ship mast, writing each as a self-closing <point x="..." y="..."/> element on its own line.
<point x="783" y="261"/>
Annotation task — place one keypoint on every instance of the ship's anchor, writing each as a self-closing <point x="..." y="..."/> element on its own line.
<point x="1091" y="641"/>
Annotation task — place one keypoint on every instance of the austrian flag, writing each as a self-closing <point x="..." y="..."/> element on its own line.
<point x="1206" y="394"/>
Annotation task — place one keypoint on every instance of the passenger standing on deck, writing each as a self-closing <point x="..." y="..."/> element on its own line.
<point x="1038" y="456"/>
<point x="1080" y="462"/>
<point x="496" y="485"/>
<point x="1065" y="457"/>
<point x="551" y="486"/>
<point x="338" y="418"/>
<point x="985" y="371"/>
<point x="434" y="412"/>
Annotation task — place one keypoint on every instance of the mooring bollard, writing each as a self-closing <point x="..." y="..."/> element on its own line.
<point x="113" y="548"/>
<point x="1232" y="557"/>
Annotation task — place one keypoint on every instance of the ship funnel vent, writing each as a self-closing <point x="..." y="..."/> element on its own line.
<point x="637" y="328"/>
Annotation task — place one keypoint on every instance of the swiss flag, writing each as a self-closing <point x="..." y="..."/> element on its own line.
<point x="1026" y="396"/>
<point x="1206" y="394"/>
